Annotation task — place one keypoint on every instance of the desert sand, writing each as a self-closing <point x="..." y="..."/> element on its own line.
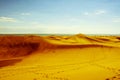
<point x="54" y="57"/>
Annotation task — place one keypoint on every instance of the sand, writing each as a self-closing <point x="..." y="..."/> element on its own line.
<point x="75" y="57"/>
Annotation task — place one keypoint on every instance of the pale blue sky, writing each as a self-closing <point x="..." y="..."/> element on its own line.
<point x="60" y="16"/>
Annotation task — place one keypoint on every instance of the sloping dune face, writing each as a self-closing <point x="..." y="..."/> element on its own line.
<point x="76" y="57"/>
<point x="14" y="46"/>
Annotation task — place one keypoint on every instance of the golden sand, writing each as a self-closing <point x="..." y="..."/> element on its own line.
<point x="75" y="57"/>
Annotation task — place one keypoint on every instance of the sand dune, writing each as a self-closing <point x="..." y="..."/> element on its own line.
<point x="59" y="57"/>
<point x="17" y="46"/>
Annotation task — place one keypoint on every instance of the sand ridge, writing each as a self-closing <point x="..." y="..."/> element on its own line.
<point x="59" y="57"/>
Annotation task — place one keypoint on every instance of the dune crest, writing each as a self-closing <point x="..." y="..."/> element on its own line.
<point x="18" y="46"/>
<point x="56" y="57"/>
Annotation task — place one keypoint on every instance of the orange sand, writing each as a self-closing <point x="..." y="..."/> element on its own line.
<point x="75" y="57"/>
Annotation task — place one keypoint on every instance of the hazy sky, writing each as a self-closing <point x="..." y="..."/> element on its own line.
<point x="60" y="16"/>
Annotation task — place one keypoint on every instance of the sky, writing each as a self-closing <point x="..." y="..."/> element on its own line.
<point x="59" y="16"/>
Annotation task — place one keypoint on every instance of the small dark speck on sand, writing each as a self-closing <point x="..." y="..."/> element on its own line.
<point x="35" y="79"/>
<point x="107" y="79"/>
<point x="114" y="77"/>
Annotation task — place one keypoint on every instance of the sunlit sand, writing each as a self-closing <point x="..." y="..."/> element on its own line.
<point x="74" y="57"/>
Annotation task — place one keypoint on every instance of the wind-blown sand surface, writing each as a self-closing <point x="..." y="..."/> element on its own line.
<point x="75" y="57"/>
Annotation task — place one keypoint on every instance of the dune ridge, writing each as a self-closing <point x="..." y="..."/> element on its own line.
<point x="55" y="57"/>
<point x="18" y="46"/>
